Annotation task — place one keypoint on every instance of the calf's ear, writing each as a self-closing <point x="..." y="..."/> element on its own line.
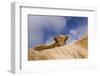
<point x="55" y="38"/>
<point x="66" y="38"/>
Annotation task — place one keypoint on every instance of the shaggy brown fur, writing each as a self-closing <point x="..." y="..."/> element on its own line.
<point x="75" y="50"/>
<point x="59" y="41"/>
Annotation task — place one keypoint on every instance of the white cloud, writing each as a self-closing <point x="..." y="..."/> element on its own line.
<point x="78" y="33"/>
<point x="36" y="24"/>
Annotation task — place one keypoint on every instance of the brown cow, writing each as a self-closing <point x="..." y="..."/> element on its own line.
<point x="59" y="41"/>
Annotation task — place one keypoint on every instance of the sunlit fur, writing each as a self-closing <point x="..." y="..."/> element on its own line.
<point x="74" y="50"/>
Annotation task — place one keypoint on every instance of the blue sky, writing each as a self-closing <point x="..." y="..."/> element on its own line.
<point x="42" y="29"/>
